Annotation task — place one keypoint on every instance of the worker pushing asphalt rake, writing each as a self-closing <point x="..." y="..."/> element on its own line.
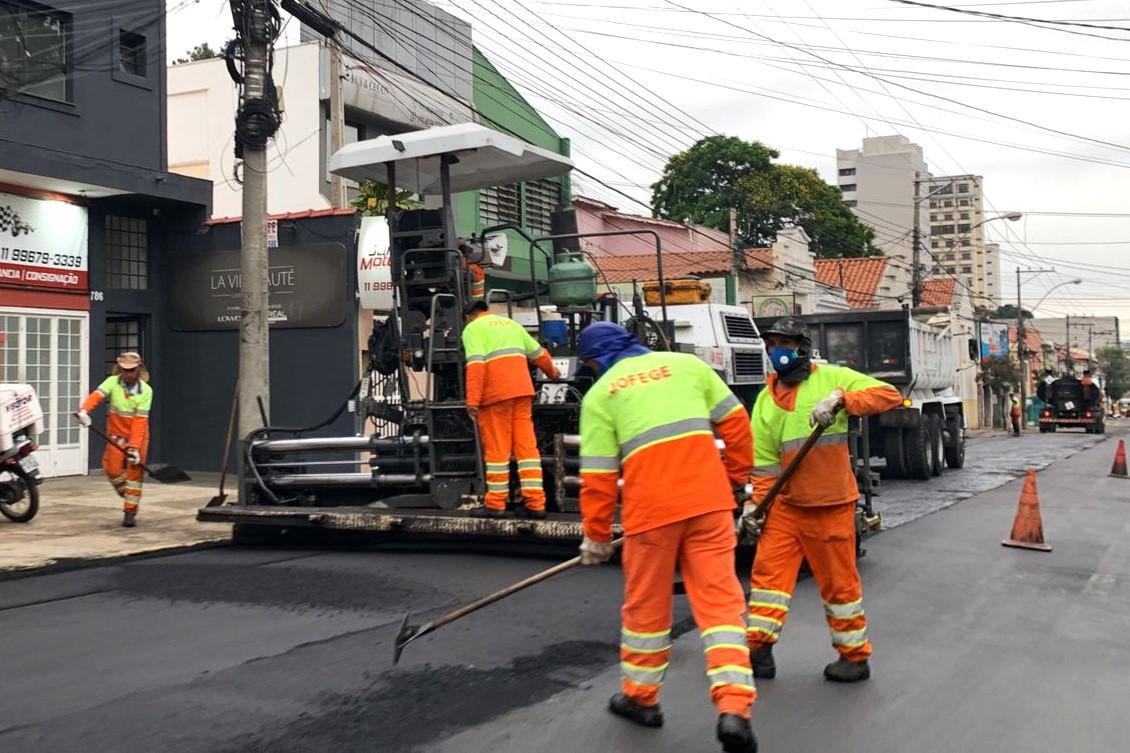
<point x="750" y="525"/>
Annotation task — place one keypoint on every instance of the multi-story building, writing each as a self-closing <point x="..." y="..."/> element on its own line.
<point x="878" y="184"/>
<point x="957" y="241"/>
<point x="90" y="216"/>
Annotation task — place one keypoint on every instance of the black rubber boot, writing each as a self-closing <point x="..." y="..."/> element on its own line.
<point x="129" y="519"/>
<point x="486" y="512"/>
<point x="764" y="668"/>
<point x="736" y="734"/>
<point x="843" y="670"/>
<point x="647" y="716"/>
<point x="529" y="514"/>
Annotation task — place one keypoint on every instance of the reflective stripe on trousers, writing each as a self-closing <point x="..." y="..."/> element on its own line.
<point x="702" y="548"/>
<point x="825" y="537"/>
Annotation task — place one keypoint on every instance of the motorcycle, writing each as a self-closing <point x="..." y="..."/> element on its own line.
<point x="19" y="481"/>
<point x="21" y="422"/>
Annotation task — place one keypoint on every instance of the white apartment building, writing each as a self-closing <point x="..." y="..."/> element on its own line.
<point x="877" y="181"/>
<point x="957" y="237"/>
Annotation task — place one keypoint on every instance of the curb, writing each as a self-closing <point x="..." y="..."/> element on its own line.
<point x="70" y="564"/>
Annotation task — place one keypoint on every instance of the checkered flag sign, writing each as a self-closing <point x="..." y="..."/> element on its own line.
<point x="10" y="221"/>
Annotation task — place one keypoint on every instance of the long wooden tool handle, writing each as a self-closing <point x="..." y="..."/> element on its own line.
<point x="117" y="446"/>
<point x="790" y="469"/>
<point x="533" y="580"/>
<point x="227" y="439"/>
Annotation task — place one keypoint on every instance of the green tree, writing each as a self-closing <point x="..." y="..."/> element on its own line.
<point x="372" y="198"/>
<point x="202" y="51"/>
<point x="1115" y="366"/>
<point x="720" y="173"/>
<point x="1008" y="311"/>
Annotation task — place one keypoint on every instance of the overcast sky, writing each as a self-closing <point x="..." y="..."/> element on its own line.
<point x="650" y="76"/>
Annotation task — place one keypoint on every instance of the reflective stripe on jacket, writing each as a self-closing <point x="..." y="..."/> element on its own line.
<point x="653" y="418"/>
<point x="127" y="413"/>
<point x="780" y="425"/>
<point x="498" y="352"/>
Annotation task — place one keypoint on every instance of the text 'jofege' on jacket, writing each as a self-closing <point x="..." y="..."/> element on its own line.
<point x="652" y="419"/>
<point x="780" y="426"/>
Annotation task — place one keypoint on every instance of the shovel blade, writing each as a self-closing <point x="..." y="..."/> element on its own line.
<point x="404" y="636"/>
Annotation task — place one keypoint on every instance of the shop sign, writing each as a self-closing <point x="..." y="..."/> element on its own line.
<point x="307" y="288"/>
<point x="42" y="243"/>
<point x="374" y="270"/>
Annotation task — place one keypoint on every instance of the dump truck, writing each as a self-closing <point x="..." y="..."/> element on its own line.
<point x="926" y="433"/>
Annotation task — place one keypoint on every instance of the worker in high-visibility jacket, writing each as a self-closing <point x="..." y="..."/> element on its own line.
<point x="500" y="394"/>
<point x="651" y="419"/>
<point x="813" y="517"/>
<point x="129" y="399"/>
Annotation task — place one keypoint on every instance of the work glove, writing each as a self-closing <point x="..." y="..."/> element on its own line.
<point x="83" y="418"/>
<point x="749" y="524"/>
<point x="596" y="552"/>
<point x="133" y="455"/>
<point x="824" y="414"/>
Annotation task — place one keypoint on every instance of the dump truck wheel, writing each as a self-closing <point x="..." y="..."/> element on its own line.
<point x="937" y="459"/>
<point x="955" y="450"/>
<point x="894" y="452"/>
<point x="918" y="463"/>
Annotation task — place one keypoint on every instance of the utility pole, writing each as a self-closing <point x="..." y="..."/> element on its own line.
<point x="257" y="26"/>
<point x="1020" y="354"/>
<point x="1070" y="361"/>
<point x="916" y="254"/>
<point x="337" y="116"/>
<point x="736" y="260"/>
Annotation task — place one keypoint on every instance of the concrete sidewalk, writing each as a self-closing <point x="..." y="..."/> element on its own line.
<point x="978" y="647"/>
<point x="80" y="519"/>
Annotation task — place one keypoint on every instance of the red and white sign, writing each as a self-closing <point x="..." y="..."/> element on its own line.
<point x="42" y="243"/>
<point x="374" y="270"/>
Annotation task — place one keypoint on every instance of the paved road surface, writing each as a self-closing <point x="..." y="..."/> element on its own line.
<point x="244" y="650"/>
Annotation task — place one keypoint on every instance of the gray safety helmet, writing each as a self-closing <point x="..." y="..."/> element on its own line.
<point x="790" y="326"/>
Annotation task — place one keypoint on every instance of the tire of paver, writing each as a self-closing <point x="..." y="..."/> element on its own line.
<point x="937" y="459"/>
<point x="30" y="497"/>
<point x="918" y="464"/>
<point x="955" y="451"/>
<point x="894" y="452"/>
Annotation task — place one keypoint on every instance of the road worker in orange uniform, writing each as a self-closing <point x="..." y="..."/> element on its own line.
<point x="813" y="517"/>
<point x="651" y="418"/>
<point x="130" y="398"/>
<point x="500" y="394"/>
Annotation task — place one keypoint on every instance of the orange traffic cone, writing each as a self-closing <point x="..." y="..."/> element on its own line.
<point x="1118" y="470"/>
<point x="1027" y="528"/>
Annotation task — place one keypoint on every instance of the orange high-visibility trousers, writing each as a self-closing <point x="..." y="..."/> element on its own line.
<point x="125" y="478"/>
<point x="825" y="536"/>
<point x="506" y="429"/>
<point x="702" y="548"/>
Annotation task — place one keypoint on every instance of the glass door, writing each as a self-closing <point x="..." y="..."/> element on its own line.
<point x="48" y="351"/>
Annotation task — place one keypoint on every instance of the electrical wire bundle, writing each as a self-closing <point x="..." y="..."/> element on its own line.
<point x="258" y="117"/>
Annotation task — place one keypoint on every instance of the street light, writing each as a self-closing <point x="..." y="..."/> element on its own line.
<point x="1020" y="346"/>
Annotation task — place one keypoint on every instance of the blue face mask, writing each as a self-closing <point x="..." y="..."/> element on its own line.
<point x="782" y="358"/>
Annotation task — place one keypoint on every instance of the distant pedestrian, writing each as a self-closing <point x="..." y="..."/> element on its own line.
<point x="1014" y="413"/>
<point x="127" y="422"/>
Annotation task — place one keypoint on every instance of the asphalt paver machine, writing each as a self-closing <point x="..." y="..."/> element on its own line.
<point x="415" y="470"/>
